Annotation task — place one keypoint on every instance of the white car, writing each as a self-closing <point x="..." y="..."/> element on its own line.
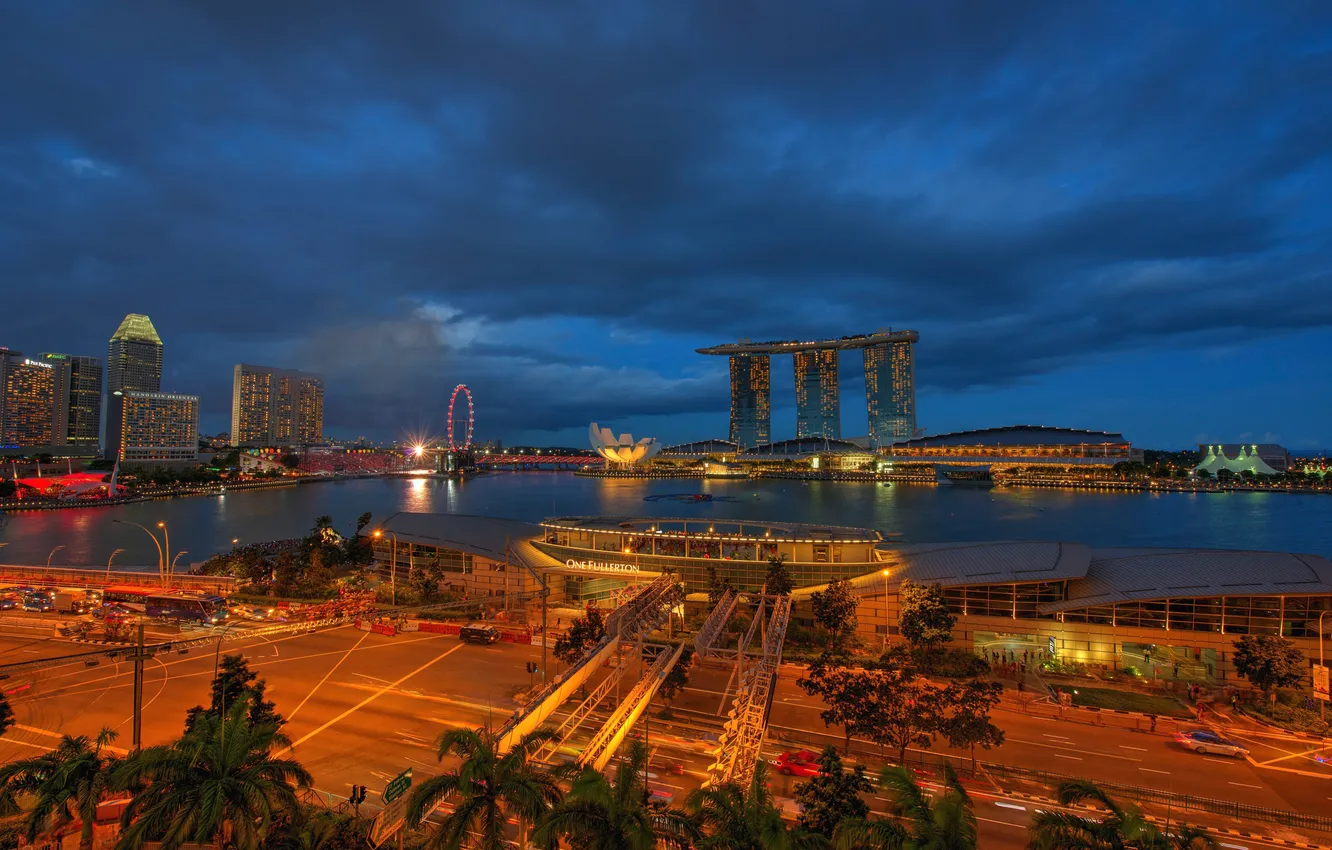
<point x="1203" y="741"/>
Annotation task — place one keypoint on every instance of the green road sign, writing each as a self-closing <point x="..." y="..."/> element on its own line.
<point x="398" y="786"/>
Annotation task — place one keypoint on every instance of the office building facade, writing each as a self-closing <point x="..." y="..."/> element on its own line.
<point x="818" y="400"/>
<point x="890" y="392"/>
<point x="275" y="407"/>
<point x="158" y="428"/>
<point x="78" y="403"/>
<point x="27" y="404"/>
<point x="751" y="400"/>
<point x="133" y="364"/>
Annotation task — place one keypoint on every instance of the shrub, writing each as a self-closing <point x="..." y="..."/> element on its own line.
<point x="948" y="663"/>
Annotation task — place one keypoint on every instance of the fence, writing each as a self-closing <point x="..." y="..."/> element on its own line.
<point x="79" y="577"/>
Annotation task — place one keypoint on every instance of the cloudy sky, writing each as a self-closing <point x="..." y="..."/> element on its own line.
<point x="1102" y="216"/>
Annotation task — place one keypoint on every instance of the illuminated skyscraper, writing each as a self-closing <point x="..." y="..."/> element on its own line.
<point x="890" y="392"/>
<point x="78" y="403"/>
<point x="818" y="404"/>
<point x="27" y="403"/>
<point x="158" y="427"/>
<point x="751" y="404"/>
<point x="133" y="362"/>
<point x="276" y="407"/>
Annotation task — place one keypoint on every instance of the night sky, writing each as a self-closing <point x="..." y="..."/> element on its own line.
<point x="1100" y="216"/>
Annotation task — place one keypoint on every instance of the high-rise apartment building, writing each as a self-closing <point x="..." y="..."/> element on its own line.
<point x="275" y="407"/>
<point x="158" y="427"/>
<point x="27" y="403"/>
<point x="133" y="363"/>
<point x="890" y="392"/>
<point x="818" y="402"/>
<point x="78" y="403"/>
<point x="751" y="400"/>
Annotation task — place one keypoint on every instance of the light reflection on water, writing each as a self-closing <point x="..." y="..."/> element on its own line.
<point x="921" y="513"/>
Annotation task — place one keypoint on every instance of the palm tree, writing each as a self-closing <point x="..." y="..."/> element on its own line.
<point x="67" y="783"/>
<point x="946" y="823"/>
<point x="732" y="818"/>
<point x="1124" y="827"/>
<point x="311" y="828"/>
<point x="220" y="780"/>
<point x="604" y="814"/>
<point x="485" y="785"/>
<point x="864" y="834"/>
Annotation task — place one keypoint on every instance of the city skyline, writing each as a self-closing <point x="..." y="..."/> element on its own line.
<point x="1096" y="237"/>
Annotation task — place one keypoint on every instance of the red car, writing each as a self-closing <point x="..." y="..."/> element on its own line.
<point x="801" y="763"/>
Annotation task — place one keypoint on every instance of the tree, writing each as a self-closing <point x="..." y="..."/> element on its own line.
<point x="424" y="578"/>
<point x="778" y="581"/>
<point x="832" y="796"/>
<point x="486" y="787"/>
<point x="290" y="460"/>
<point x="613" y="814"/>
<point x="317" y="828"/>
<point x="717" y="586"/>
<point x="1269" y="662"/>
<point x="1124" y="826"/>
<point x="735" y="818"/>
<point x="850" y="696"/>
<point x="6" y="714"/>
<point x="1204" y="474"/>
<point x="923" y="616"/>
<point x="969" y="723"/>
<point x="584" y="632"/>
<point x="358" y="549"/>
<point x="678" y="677"/>
<point x="946" y="822"/>
<point x="835" y="610"/>
<point x="66" y="784"/>
<point x="907" y="710"/>
<point x="7" y="489"/>
<point x="221" y="781"/>
<point x="237" y="683"/>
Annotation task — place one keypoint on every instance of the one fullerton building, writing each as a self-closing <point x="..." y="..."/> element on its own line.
<point x="1171" y="613"/>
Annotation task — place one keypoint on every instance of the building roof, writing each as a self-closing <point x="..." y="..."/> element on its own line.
<point x="701" y="447"/>
<point x="703" y="528"/>
<point x="483" y="536"/>
<point x="807" y="445"/>
<point x="1123" y="575"/>
<point x="791" y="346"/>
<point x="1015" y="435"/>
<point x="138" y="328"/>
<point x="987" y="563"/>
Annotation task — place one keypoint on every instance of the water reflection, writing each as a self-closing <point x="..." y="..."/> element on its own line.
<point x="921" y="513"/>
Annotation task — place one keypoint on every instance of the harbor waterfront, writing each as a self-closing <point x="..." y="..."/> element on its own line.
<point x="202" y="525"/>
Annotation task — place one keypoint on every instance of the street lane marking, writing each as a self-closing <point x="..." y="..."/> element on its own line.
<point x="1003" y="823"/>
<point x="344" y="657"/>
<point x="1062" y="756"/>
<point x="1001" y="804"/>
<point x="1235" y="846"/>
<point x="1127" y="747"/>
<point x="1048" y="735"/>
<point x="376" y="695"/>
<point x="1244" y="785"/>
<point x="1154" y="770"/>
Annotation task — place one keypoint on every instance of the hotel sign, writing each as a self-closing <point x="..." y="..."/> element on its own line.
<point x="601" y="566"/>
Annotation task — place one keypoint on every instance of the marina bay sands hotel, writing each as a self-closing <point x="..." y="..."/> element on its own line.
<point x="890" y="386"/>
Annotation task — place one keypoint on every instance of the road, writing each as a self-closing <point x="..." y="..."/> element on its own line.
<point x="361" y="707"/>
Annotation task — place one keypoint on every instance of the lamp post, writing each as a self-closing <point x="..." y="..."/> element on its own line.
<point x="52" y="555"/>
<point x="108" y="564"/>
<point x="161" y="559"/>
<point x="222" y="692"/>
<point x="166" y="547"/>
<point x="885" y="609"/>
<point x="172" y="571"/>
<point x="393" y="565"/>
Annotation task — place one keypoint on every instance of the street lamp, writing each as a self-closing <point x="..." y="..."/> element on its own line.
<point x="52" y="555"/>
<point x="885" y="609"/>
<point x="166" y="545"/>
<point x="172" y="571"/>
<point x="393" y="564"/>
<point x="161" y="559"/>
<point x="108" y="564"/>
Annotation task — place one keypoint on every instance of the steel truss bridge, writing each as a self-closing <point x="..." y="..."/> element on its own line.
<point x="738" y="747"/>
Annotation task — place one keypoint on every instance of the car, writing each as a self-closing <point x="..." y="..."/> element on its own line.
<point x="661" y="797"/>
<point x="8" y="603"/>
<point x="112" y="610"/>
<point x="254" y="612"/>
<point x="479" y="633"/>
<point x="800" y="763"/>
<point x="38" y="602"/>
<point x="1205" y="741"/>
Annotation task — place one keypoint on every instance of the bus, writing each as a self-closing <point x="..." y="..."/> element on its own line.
<point x="181" y="606"/>
<point x="133" y="597"/>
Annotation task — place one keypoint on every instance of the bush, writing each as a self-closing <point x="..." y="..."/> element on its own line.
<point x="948" y="663"/>
<point x="1064" y="668"/>
<point x="1291" y="712"/>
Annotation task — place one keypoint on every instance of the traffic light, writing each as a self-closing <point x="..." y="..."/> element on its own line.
<point x="357" y="795"/>
<point x="532" y="667"/>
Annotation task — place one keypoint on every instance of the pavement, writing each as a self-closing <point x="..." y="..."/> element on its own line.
<point x="362" y="707"/>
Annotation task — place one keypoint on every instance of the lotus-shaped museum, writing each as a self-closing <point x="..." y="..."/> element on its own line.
<point x="622" y="450"/>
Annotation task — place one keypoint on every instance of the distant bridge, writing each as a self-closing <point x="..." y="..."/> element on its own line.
<point x="517" y="461"/>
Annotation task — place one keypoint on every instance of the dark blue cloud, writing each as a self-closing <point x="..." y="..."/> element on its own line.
<point x="556" y="204"/>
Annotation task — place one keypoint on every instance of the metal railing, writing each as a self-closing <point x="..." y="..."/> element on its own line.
<point x="716" y="621"/>
<point x="148" y="577"/>
<point x="608" y="738"/>
<point x="581" y="712"/>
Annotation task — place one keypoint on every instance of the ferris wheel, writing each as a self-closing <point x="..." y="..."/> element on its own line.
<point x="471" y="411"/>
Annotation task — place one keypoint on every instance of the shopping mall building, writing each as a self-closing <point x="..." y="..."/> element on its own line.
<point x="1168" y="612"/>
